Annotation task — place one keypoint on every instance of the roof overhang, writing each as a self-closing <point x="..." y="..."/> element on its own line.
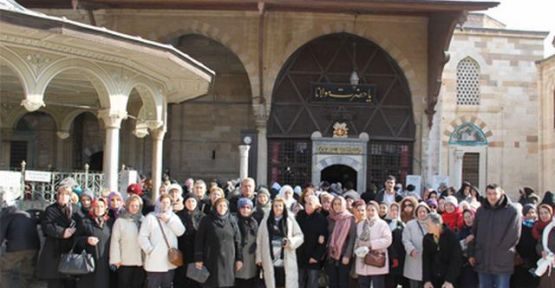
<point x="183" y="77"/>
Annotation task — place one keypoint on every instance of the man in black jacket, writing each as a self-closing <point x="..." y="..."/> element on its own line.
<point x="388" y="193"/>
<point x="496" y="230"/>
<point x="18" y="229"/>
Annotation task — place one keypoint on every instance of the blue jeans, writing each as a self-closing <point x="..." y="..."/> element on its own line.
<point x="489" y="280"/>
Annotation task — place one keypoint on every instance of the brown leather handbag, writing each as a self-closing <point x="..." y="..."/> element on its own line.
<point x="174" y="255"/>
<point x="375" y="258"/>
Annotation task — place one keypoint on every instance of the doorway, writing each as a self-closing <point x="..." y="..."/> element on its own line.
<point x="96" y="159"/>
<point x="343" y="174"/>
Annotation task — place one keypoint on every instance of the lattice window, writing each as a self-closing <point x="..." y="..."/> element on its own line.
<point x="388" y="158"/>
<point x="468" y="82"/>
<point x="290" y="161"/>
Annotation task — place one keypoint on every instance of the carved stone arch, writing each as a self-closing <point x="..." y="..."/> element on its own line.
<point x="98" y="77"/>
<point x="150" y="95"/>
<point x="339" y="160"/>
<point x="234" y="45"/>
<point x="67" y="121"/>
<point x="453" y="125"/>
<point x="18" y="114"/>
<point x="472" y="55"/>
<point x="393" y="51"/>
<point x="20" y="68"/>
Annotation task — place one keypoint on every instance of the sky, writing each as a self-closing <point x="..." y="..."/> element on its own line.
<point x="536" y="15"/>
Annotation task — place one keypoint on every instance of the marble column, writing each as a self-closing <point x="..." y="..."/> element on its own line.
<point x="244" y="161"/>
<point x="157" y="149"/>
<point x="112" y="123"/>
<point x="459" y="155"/>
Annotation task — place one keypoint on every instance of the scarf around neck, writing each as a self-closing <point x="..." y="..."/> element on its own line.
<point x="340" y="233"/>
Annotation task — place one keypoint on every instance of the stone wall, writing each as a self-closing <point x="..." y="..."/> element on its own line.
<point x="546" y="87"/>
<point x="509" y="105"/>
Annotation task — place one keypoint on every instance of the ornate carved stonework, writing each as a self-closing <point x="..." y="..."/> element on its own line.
<point x="33" y="104"/>
<point x="340" y="130"/>
<point x="112" y="119"/>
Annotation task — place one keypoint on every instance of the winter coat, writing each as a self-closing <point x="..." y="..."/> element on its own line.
<point x="547" y="280"/>
<point x="396" y="251"/>
<point x="19" y="229"/>
<point x="347" y="250"/>
<point x="54" y="223"/>
<point x="468" y="277"/>
<point x="217" y="245"/>
<point x="295" y="238"/>
<point x="496" y="230"/>
<point x="100" y="278"/>
<point x="453" y="220"/>
<point x="124" y="245"/>
<point x="412" y="240"/>
<point x="153" y="244"/>
<point x="314" y="228"/>
<point x="525" y="260"/>
<point x="249" y="229"/>
<point x="186" y="242"/>
<point x="441" y="261"/>
<point x="381" y="194"/>
<point x="380" y="240"/>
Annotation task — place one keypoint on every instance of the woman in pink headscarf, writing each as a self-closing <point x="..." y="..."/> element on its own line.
<point x="342" y="231"/>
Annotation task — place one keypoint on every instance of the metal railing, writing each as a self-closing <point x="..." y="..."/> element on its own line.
<point x="40" y="194"/>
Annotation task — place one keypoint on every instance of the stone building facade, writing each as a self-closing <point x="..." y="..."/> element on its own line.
<point x="486" y="125"/>
<point x="546" y="140"/>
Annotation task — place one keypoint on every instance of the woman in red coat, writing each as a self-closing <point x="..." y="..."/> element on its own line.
<point x="453" y="216"/>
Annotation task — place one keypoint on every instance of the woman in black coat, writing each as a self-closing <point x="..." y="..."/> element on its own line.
<point x="190" y="217"/>
<point x="217" y="244"/>
<point x="468" y="277"/>
<point x="396" y="250"/>
<point x="310" y="255"/>
<point x="58" y="225"/>
<point x="94" y="236"/>
<point x="526" y="255"/>
<point x="442" y="256"/>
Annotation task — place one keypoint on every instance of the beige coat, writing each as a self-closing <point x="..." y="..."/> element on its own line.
<point x="295" y="238"/>
<point x="380" y="239"/>
<point x="124" y="244"/>
<point x="153" y="244"/>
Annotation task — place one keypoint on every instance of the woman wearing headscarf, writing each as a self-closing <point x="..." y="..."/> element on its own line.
<point x="115" y="204"/>
<point x="125" y="252"/>
<point x="58" y="224"/>
<point x="94" y="236"/>
<point x="176" y="192"/>
<point x="86" y="199"/>
<point x="408" y="204"/>
<point x="452" y="216"/>
<point x="263" y="204"/>
<point x="372" y="234"/>
<point x="469" y="277"/>
<point x="546" y="248"/>
<point x="464" y="191"/>
<point x="442" y="256"/>
<point x="278" y="238"/>
<point x="287" y="193"/>
<point x="190" y="217"/>
<point x="342" y="231"/>
<point x="396" y="250"/>
<point x="545" y="213"/>
<point x="218" y="246"/>
<point x="159" y="269"/>
<point x="310" y="254"/>
<point x="526" y="255"/>
<point x="413" y="234"/>
<point x="246" y="276"/>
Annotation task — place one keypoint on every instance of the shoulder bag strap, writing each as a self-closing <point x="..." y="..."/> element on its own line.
<point x="163" y="234"/>
<point x="420" y="227"/>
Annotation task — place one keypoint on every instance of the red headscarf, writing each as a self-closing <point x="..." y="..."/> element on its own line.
<point x="341" y="229"/>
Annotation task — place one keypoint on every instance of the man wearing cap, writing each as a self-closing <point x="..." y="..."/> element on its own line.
<point x="496" y="230"/>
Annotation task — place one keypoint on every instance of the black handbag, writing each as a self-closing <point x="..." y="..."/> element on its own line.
<point x="76" y="264"/>
<point x="199" y="275"/>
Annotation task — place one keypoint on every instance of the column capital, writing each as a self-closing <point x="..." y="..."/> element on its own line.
<point x="261" y="115"/>
<point x="459" y="154"/>
<point x="62" y="134"/>
<point x="244" y="149"/>
<point x="158" y="134"/>
<point x="33" y="103"/>
<point x="111" y="118"/>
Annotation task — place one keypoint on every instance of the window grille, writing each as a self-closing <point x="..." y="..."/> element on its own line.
<point x="468" y="82"/>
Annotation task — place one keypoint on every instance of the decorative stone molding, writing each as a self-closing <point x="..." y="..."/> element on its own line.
<point x="153" y="124"/>
<point x="33" y="104"/>
<point x="62" y="134"/>
<point x="112" y="119"/>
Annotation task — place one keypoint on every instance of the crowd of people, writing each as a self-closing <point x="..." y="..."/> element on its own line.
<point x="285" y="236"/>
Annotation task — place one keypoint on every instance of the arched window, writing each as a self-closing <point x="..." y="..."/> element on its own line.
<point x="468" y="82"/>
